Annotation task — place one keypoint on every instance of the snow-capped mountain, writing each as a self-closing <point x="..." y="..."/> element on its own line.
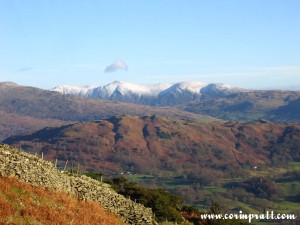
<point x="219" y="89"/>
<point x="168" y="94"/>
<point x="74" y="90"/>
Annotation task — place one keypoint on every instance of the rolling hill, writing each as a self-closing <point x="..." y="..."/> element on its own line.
<point x="155" y="145"/>
<point x="12" y="124"/>
<point x="276" y="106"/>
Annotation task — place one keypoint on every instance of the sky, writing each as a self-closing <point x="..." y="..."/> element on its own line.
<point x="245" y="43"/>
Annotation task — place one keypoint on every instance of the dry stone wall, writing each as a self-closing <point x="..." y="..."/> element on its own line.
<point x="41" y="173"/>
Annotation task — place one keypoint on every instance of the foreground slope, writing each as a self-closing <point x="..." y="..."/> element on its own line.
<point x="156" y="145"/>
<point x="41" y="173"/>
<point x="21" y="203"/>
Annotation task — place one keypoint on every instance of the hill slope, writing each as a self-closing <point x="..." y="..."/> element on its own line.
<point x="12" y="124"/>
<point x="41" y="173"/>
<point x="21" y="203"/>
<point x="155" y="145"/>
<point x="249" y="106"/>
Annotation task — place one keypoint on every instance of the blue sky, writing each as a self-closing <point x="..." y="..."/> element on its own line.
<point x="246" y="43"/>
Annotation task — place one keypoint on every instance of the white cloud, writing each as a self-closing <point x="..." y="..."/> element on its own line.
<point x="117" y="65"/>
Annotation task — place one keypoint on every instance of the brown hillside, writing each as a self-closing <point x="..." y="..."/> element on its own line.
<point x="21" y="203"/>
<point x="158" y="144"/>
<point x="12" y="124"/>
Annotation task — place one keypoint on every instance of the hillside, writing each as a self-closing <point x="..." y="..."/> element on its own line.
<point x="12" y="124"/>
<point x="21" y="203"/>
<point x="43" y="174"/>
<point x="291" y="111"/>
<point x="25" y="109"/>
<point x="155" y="145"/>
<point x="249" y="106"/>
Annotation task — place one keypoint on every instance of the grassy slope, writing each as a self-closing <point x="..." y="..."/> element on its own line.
<point x="21" y="203"/>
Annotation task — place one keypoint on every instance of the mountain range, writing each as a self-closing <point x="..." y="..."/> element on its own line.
<point x="25" y="108"/>
<point x="168" y="94"/>
<point x="217" y="100"/>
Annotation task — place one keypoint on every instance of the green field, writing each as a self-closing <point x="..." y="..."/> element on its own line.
<point x="282" y="178"/>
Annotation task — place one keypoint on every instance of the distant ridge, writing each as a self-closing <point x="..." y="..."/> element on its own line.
<point x="168" y="94"/>
<point x="25" y="108"/>
<point x="218" y="100"/>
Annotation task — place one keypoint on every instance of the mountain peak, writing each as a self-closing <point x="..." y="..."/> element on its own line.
<point x="158" y="94"/>
<point x="117" y="82"/>
<point x="8" y="83"/>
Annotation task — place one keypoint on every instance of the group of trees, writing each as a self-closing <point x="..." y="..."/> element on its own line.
<point x="165" y="205"/>
<point x="262" y="187"/>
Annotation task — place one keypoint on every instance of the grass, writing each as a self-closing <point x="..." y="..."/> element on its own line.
<point x="290" y="188"/>
<point x="21" y="203"/>
<point x="286" y="206"/>
<point x="294" y="165"/>
<point x="281" y="205"/>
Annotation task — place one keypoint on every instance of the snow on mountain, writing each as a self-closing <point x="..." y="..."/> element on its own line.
<point x="158" y="94"/>
<point x="193" y="87"/>
<point x="180" y="93"/>
<point x="125" y="88"/>
<point x="73" y="90"/>
<point x="217" y="89"/>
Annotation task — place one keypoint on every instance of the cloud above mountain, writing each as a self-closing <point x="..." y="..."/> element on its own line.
<point x="117" y="65"/>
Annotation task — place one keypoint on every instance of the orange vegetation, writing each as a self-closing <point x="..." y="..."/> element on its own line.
<point x="21" y="203"/>
<point x="152" y="145"/>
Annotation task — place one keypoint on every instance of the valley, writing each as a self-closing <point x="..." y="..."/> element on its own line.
<point x="226" y="162"/>
<point x="237" y="147"/>
<point x="149" y="112"/>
